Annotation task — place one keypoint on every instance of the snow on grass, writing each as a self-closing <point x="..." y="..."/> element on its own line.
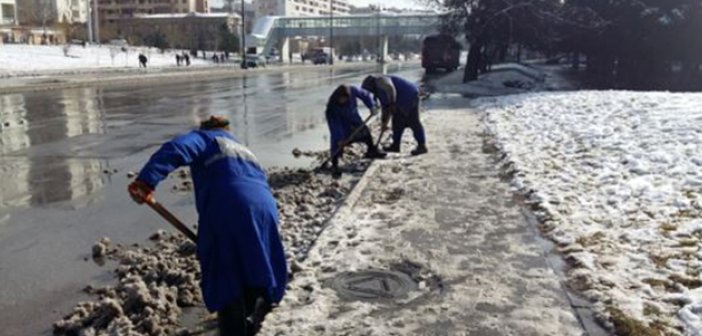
<point x="615" y="178"/>
<point x="23" y="58"/>
<point x="505" y="79"/>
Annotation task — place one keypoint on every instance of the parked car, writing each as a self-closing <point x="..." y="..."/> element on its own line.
<point x="321" y="58"/>
<point x="273" y="59"/>
<point x="119" y="42"/>
<point x="273" y="56"/>
<point x="255" y="61"/>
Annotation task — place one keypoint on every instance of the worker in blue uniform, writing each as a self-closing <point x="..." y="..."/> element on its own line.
<point x="241" y="256"/>
<point x="399" y="99"/>
<point x="345" y="124"/>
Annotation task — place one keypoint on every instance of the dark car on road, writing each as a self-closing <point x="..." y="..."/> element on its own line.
<point x="440" y="52"/>
<point x="255" y="61"/>
<point x="321" y="58"/>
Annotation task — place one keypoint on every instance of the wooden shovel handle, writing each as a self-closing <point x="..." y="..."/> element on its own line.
<point x="171" y="218"/>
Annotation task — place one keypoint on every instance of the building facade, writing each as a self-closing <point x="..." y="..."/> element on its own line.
<point x="301" y="7"/>
<point x="8" y="13"/>
<point x="193" y="31"/>
<point x="72" y="11"/>
<point x="40" y="12"/>
<point x="112" y="10"/>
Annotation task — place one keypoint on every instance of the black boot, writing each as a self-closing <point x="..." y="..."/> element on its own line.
<point x="394" y="148"/>
<point x="374" y="153"/>
<point x="335" y="172"/>
<point x="421" y="149"/>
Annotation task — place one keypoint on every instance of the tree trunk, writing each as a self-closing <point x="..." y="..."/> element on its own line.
<point x="502" y="54"/>
<point x="519" y="52"/>
<point x="470" y="72"/>
<point x="575" y="60"/>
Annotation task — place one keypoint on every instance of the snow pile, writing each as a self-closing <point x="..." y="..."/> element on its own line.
<point x="155" y="283"/>
<point x="615" y="179"/>
<point x="21" y="59"/>
<point x="505" y="79"/>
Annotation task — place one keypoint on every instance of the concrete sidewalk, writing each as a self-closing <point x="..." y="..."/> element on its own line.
<point x="449" y="222"/>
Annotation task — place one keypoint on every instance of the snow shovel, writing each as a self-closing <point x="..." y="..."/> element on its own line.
<point x="380" y="138"/>
<point x="171" y="218"/>
<point x="341" y="148"/>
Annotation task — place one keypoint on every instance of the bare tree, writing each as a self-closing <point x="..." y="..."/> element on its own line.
<point x="229" y="5"/>
<point x="37" y="12"/>
<point x="493" y="27"/>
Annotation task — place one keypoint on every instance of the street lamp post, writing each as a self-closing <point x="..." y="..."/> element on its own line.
<point x="331" y="32"/>
<point x="243" y="36"/>
<point x="96" y="20"/>
<point x="89" y="21"/>
<point x="378" y="51"/>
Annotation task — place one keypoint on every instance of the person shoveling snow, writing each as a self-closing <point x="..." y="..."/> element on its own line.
<point x="243" y="264"/>
<point x="400" y="100"/>
<point x="345" y="124"/>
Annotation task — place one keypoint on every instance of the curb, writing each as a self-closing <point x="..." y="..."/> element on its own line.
<point x="348" y="203"/>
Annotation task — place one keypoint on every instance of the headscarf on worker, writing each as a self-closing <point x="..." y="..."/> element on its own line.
<point x="238" y="243"/>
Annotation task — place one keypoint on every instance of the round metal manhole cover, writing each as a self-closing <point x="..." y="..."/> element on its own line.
<point x="372" y="285"/>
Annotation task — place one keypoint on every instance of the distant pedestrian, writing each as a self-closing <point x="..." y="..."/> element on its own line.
<point x="215" y="58"/>
<point x="226" y="55"/>
<point x="142" y="61"/>
<point x="187" y="59"/>
<point x="178" y="59"/>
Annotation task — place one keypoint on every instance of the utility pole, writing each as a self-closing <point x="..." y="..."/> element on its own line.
<point x="331" y="32"/>
<point x="378" y="52"/>
<point x="89" y="21"/>
<point x="243" y="36"/>
<point x="16" y="14"/>
<point x="96" y="20"/>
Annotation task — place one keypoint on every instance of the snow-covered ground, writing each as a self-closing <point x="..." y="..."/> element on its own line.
<point x="22" y="58"/>
<point x="448" y="221"/>
<point x="616" y="179"/>
<point x="505" y="79"/>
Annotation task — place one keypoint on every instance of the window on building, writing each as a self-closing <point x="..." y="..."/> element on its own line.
<point x="8" y="12"/>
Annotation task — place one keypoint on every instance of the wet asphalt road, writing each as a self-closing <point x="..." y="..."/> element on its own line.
<point x="64" y="156"/>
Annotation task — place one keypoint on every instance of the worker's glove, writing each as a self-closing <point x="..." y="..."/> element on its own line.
<point x="140" y="192"/>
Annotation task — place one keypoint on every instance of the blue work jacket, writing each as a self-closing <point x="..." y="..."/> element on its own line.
<point x="238" y="243"/>
<point x="344" y="119"/>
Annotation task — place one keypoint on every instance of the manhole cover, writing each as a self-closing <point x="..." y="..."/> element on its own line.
<point x="372" y="285"/>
